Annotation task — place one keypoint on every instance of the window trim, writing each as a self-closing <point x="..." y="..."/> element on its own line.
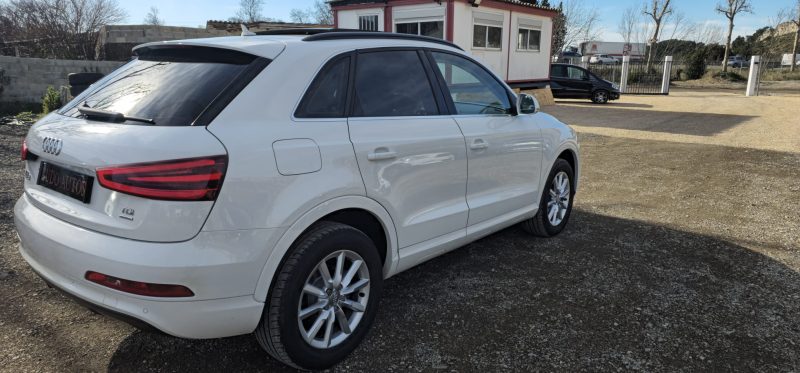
<point x="529" y="50"/>
<point x="486" y="36"/>
<point x="445" y="91"/>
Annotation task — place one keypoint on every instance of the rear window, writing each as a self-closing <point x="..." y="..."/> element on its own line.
<point x="172" y="86"/>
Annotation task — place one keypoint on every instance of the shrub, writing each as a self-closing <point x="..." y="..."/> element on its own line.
<point x="51" y="100"/>
<point x="729" y="76"/>
<point x="696" y="65"/>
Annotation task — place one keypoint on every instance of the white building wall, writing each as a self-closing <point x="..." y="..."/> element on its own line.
<point x="496" y="60"/>
<point x="349" y="18"/>
<point x="530" y="65"/>
<point x="508" y="63"/>
<point x="419" y="13"/>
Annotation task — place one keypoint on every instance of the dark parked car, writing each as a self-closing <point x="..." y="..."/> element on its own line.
<point x="569" y="81"/>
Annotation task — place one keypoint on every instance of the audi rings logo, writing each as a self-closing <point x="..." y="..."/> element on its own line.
<point x="52" y="145"/>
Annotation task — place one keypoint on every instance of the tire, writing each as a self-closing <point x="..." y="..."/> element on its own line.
<point x="541" y="225"/>
<point x="600" y="96"/>
<point x="279" y="330"/>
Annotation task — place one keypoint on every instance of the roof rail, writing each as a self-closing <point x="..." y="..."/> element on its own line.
<point x="338" y="34"/>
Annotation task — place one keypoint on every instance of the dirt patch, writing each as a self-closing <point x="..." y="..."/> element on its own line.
<point x="680" y="256"/>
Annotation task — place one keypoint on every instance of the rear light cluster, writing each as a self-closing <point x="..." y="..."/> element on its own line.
<point x="139" y="288"/>
<point x="196" y="179"/>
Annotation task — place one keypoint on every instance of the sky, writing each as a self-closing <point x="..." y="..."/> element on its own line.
<point x="196" y="12"/>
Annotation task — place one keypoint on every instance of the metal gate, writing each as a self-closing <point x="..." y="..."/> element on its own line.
<point x="641" y="79"/>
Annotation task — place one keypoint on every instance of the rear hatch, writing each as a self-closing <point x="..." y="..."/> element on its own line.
<point x="131" y="156"/>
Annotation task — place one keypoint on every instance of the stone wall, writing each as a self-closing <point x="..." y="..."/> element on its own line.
<point x="24" y="80"/>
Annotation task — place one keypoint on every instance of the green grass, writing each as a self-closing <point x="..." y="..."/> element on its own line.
<point x="781" y="74"/>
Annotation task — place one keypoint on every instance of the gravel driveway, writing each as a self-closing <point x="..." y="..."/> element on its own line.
<point x="680" y="256"/>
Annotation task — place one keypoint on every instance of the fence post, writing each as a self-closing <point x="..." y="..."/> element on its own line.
<point x="667" y="75"/>
<point x="585" y="62"/>
<point x="753" y="78"/>
<point x="623" y="79"/>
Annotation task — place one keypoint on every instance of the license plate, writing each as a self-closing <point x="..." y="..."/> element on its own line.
<point x="70" y="183"/>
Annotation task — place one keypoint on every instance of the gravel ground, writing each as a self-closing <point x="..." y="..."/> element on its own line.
<point x="680" y="256"/>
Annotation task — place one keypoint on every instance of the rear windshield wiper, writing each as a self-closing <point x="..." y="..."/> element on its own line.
<point x="111" y="116"/>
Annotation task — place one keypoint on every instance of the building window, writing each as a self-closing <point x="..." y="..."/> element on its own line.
<point x="528" y="39"/>
<point x="489" y="37"/>
<point x="433" y="28"/>
<point x="368" y="23"/>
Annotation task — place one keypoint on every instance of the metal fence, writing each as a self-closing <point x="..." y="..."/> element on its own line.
<point x="641" y="78"/>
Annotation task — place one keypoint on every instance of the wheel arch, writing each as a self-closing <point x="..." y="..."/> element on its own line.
<point x="346" y="210"/>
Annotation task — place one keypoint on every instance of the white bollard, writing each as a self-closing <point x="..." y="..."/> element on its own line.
<point x="667" y="75"/>
<point x="752" y="79"/>
<point x="623" y="79"/>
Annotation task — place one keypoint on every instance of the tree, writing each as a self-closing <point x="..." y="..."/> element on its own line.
<point x="730" y="9"/>
<point x="249" y="11"/>
<point x="796" y="21"/>
<point x="627" y="24"/>
<point x="57" y="28"/>
<point x="299" y="16"/>
<point x="559" y="31"/>
<point x="656" y="10"/>
<point x="152" y="17"/>
<point x="580" y="21"/>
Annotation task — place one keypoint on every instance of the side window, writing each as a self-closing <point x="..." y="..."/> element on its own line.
<point x="473" y="90"/>
<point x="558" y="71"/>
<point x="327" y="95"/>
<point x="576" y="73"/>
<point x="392" y="83"/>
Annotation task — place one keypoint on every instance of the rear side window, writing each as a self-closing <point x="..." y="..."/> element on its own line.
<point x="558" y="71"/>
<point x="327" y="95"/>
<point x="392" y="83"/>
<point x="172" y="86"/>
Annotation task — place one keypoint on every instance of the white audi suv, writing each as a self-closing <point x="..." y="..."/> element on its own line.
<point x="269" y="184"/>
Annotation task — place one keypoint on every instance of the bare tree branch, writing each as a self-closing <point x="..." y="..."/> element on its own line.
<point x="152" y="17"/>
<point x="730" y="9"/>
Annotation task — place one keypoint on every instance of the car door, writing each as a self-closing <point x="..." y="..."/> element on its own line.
<point x="504" y="150"/>
<point x="558" y="83"/>
<point x="411" y="154"/>
<point x="577" y="82"/>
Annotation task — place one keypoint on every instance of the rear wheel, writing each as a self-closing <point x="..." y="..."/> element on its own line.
<point x="555" y="206"/>
<point x="600" y="96"/>
<point x="324" y="298"/>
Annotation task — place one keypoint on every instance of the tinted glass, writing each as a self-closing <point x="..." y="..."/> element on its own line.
<point x="576" y="73"/>
<point x="432" y="29"/>
<point x="368" y="23"/>
<point x="479" y="36"/>
<point x="392" y="83"/>
<point x="408" y="28"/>
<point x="473" y="90"/>
<point x="494" y="38"/>
<point x="327" y="95"/>
<point x="172" y="86"/>
<point x="558" y="71"/>
<point x="535" y="36"/>
<point x="522" y="39"/>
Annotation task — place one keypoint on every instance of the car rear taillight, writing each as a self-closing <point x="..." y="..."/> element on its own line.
<point x="139" y="288"/>
<point x="24" y="150"/>
<point x="196" y="179"/>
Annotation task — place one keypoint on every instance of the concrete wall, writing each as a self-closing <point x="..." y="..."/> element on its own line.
<point x="116" y="41"/>
<point x="24" y="80"/>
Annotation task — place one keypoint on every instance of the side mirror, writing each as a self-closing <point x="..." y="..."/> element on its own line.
<point x="527" y="104"/>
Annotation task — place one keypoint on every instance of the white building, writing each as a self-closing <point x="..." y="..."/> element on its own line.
<point x="512" y="37"/>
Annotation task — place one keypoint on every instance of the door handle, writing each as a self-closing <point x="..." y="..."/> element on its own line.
<point x="478" y="144"/>
<point x="381" y="154"/>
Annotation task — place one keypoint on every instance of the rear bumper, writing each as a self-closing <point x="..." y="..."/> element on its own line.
<point x="221" y="268"/>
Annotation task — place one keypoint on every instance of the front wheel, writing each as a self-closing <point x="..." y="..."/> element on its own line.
<point x="324" y="298"/>
<point x="600" y="97"/>
<point x="555" y="206"/>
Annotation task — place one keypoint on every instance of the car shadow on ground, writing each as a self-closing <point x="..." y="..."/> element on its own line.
<point x="607" y="294"/>
<point x="611" y="103"/>
<point x="674" y="122"/>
